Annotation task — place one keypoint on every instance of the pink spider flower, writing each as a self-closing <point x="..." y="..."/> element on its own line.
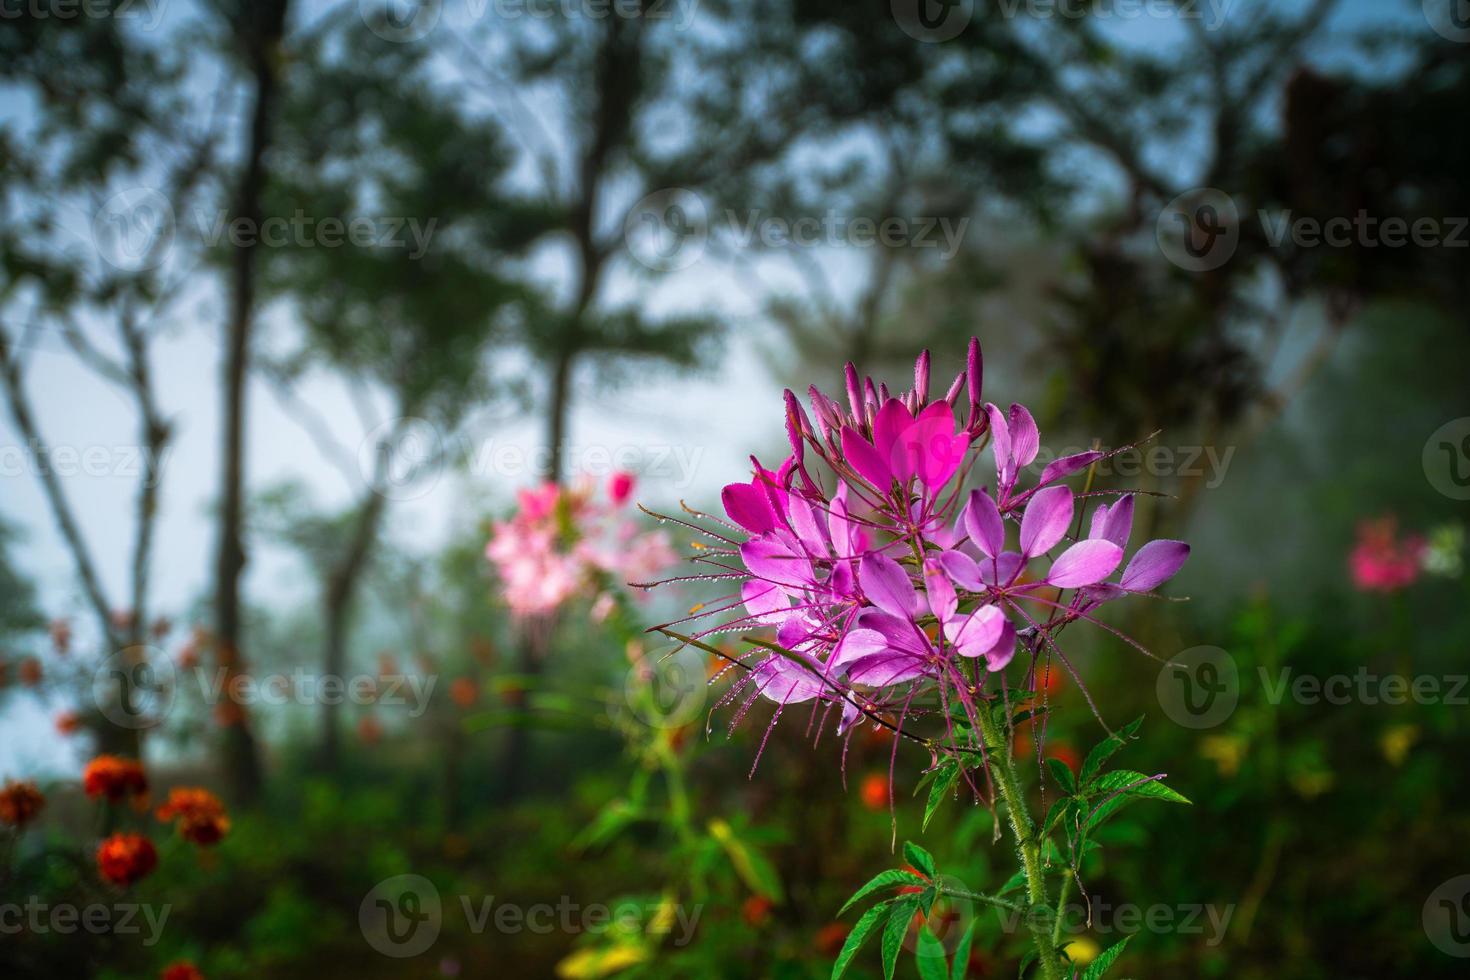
<point x="883" y="579"/>
<point x="562" y="544"/>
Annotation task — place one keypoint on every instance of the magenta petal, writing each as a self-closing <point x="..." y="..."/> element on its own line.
<point x="984" y="524"/>
<point x="775" y="560"/>
<point x="1005" y="647"/>
<point x="1119" y="522"/>
<point x="887" y="586"/>
<point x="887" y="669"/>
<point x="1000" y="444"/>
<point x="888" y="429"/>
<point x="1067" y="465"/>
<point x="1154" y="564"/>
<point x="762" y="600"/>
<point x="785" y="682"/>
<point x="855" y="644"/>
<point x="748" y="506"/>
<point x="863" y="458"/>
<point x="1025" y="439"/>
<point x="1045" y="522"/>
<point x="976" y="633"/>
<point x="940" y="591"/>
<point x="1099" y="521"/>
<point x="1085" y="563"/>
<point x="963" y="569"/>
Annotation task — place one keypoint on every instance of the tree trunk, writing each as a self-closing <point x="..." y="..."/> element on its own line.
<point x="341" y="589"/>
<point x="261" y="25"/>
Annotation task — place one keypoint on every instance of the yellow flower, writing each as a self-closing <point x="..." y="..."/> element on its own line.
<point x="590" y="964"/>
<point x="1396" y="741"/>
<point x="1226" y="751"/>
<point x="1083" y="951"/>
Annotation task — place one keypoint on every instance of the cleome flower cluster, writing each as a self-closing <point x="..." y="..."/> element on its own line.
<point x="884" y="579"/>
<point x="562" y="541"/>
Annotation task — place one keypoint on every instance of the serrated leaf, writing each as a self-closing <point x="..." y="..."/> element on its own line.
<point x="883" y="879"/>
<point x="943" y="783"/>
<point x="1054" y="815"/>
<point x="962" y="954"/>
<point x="1106" y="749"/>
<point x="893" y="933"/>
<point x="857" y="937"/>
<point x="919" y="858"/>
<point x="929" y="956"/>
<point x="1062" y="773"/>
<point x="1139" y="791"/>
<point x="1105" y="959"/>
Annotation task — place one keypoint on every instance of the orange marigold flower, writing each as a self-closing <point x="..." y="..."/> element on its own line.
<point x="182" y="970"/>
<point x="20" y="803"/>
<point x="874" y="791"/>
<point x="125" y="858"/>
<point x="114" y="777"/>
<point x="201" y="816"/>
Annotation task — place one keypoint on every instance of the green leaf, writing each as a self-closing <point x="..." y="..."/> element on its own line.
<point x="1136" y="783"/>
<point x="1054" y="815"/>
<point x="1062" y="773"/>
<point x="1026" y="960"/>
<point x="883" y="879"/>
<point x="857" y="937"/>
<point x="1097" y="967"/>
<point x="1106" y="749"/>
<point x="752" y="867"/>
<point x="894" y="931"/>
<point x="1015" y="881"/>
<point x="929" y="956"/>
<point x="919" y="858"/>
<point x="962" y="954"/>
<point x="943" y="783"/>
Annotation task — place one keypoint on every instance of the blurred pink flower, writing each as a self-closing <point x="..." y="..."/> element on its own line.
<point x="620" y="488"/>
<point x="1383" y="562"/>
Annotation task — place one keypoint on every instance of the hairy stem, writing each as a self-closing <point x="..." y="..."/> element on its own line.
<point x="1027" y="844"/>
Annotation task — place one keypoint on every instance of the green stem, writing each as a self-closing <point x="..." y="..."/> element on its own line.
<point x="1003" y="768"/>
<point x="1056" y="930"/>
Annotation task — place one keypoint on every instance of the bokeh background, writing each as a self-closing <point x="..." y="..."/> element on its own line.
<point x="295" y="297"/>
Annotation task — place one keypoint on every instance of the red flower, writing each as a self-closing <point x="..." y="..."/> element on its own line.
<point x="125" y="858"/>
<point x="831" y="937"/>
<point x="68" y="722"/>
<point x="29" y="672"/>
<point x="114" y="777"/>
<point x="463" y="692"/>
<point x="874" y="791"/>
<point x="369" y="730"/>
<point x="620" y="488"/>
<point x="182" y="970"/>
<point x="201" y="816"/>
<point x="757" y="910"/>
<point x="20" y="803"/>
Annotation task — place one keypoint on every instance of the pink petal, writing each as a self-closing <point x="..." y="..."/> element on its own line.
<point x="1000" y="444"/>
<point x="1067" y="465"/>
<point x="748" y="506"/>
<point x="855" y="644"/>
<point x="984" y="524"/>
<point x="1005" y="647"/>
<point x="1154" y="564"/>
<point x="976" y="633"/>
<point x="1025" y="439"/>
<point x="1119" y="522"/>
<point x="1085" y="563"/>
<point x="762" y="599"/>
<point x="887" y="669"/>
<point x="1045" y="522"/>
<point x="888" y="428"/>
<point x="887" y="586"/>
<point x="963" y="569"/>
<point x="940" y="591"/>
<point x="863" y="458"/>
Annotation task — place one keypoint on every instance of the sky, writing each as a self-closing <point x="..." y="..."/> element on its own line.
<point x="687" y="437"/>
